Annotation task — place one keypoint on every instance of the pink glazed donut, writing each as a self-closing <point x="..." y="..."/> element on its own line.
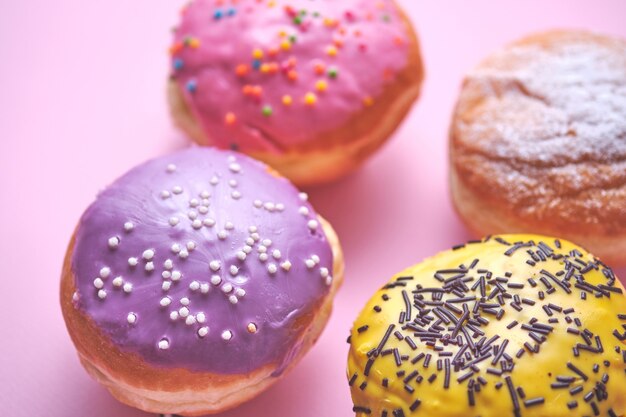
<point x="312" y="87"/>
<point x="196" y="280"/>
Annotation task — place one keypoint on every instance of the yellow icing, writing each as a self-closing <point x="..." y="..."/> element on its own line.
<point x="534" y="372"/>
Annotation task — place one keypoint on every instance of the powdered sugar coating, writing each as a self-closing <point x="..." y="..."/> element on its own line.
<point x="542" y="123"/>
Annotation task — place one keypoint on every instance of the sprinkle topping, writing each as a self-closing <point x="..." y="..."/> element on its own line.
<point x="172" y="294"/>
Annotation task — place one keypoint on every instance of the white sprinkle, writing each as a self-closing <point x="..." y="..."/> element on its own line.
<point x="148" y="254"/>
<point x="255" y="236"/>
<point x="233" y="299"/>
<point x="174" y="315"/>
<point x="215" y="265"/>
<point x="286" y="265"/>
<point x="166" y="285"/>
<point x="261" y="249"/>
<point x="249" y="241"/>
<point x="128" y="287"/>
<point x="200" y="317"/>
<point x="205" y="194"/>
<point x="203" y="210"/>
<point x="171" y="168"/>
<point x="252" y="328"/>
<point x="263" y="257"/>
<point x="280" y="207"/>
<point x="183" y="254"/>
<point x="222" y="234"/>
<point x="253" y="229"/>
<point x="149" y="266"/>
<point x="102" y="294"/>
<point x="194" y="202"/>
<point x="165" y="301"/>
<point x="234" y="167"/>
<point x="309" y="263"/>
<point x="128" y="226"/>
<point x="247" y="249"/>
<point x="227" y="335"/>
<point x="194" y="286"/>
<point x="168" y="264"/>
<point x="105" y="272"/>
<point x="240" y="292"/>
<point x="269" y="206"/>
<point x="131" y="318"/>
<point x="175" y="248"/>
<point x="98" y="283"/>
<point x="204" y="288"/>
<point x="232" y="183"/>
<point x="312" y="224"/>
<point x="258" y="203"/>
<point x="118" y="282"/>
<point x="233" y="270"/>
<point x="324" y="272"/>
<point x="226" y="288"/>
<point x="196" y="224"/>
<point x="191" y="245"/>
<point x="165" y="194"/>
<point x="183" y="311"/>
<point x="164" y="344"/>
<point x="166" y="274"/>
<point x="177" y="189"/>
<point x="192" y="215"/>
<point x="176" y="275"/>
<point x="229" y="226"/>
<point x="206" y="202"/>
<point x="315" y="258"/>
<point x="267" y="242"/>
<point x="184" y="301"/>
<point x="303" y="210"/>
<point x="75" y="296"/>
<point x="328" y="280"/>
<point x="271" y="268"/>
<point x="132" y="261"/>
<point x="241" y="255"/>
<point x="303" y="196"/>
<point x="214" y="180"/>
<point x="114" y="242"/>
<point x="190" y="320"/>
<point x="209" y="222"/>
<point x="216" y="280"/>
<point x="203" y="331"/>
<point x="276" y="254"/>
<point x="236" y="195"/>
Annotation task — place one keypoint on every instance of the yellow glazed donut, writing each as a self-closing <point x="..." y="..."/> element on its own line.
<point x="513" y="325"/>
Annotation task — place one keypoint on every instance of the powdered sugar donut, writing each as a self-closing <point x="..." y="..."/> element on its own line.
<point x="538" y="141"/>
<point x="196" y="280"/>
<point x="311" y="87"/>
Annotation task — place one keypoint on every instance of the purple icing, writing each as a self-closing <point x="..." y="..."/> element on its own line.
<point x="144" y="211"/>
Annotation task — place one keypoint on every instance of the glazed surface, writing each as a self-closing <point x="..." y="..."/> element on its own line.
<point x="516" y="325"/>
<point x="540" y="131"/>
<point x="202" y="260"/>
<point x="264" y="76"/>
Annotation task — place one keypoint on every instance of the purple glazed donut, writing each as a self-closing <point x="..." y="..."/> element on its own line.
<point x="195" y="280"/>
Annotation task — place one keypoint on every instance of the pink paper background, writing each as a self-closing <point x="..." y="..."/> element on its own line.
<point x="82" y="99"/>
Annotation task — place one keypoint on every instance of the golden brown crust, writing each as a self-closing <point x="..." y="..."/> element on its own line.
<point x="538" y="137"/>
<point x="139" y="384"/>
<point x="333" y="154"/>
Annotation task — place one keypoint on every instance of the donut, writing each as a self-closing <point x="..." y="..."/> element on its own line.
<point x="538" y="142"/>
<point x="510" y="325"/>
<point x="310" y="87"/>
<point x="196" y="280"/>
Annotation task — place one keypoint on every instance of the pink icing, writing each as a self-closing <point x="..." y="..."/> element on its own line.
<point x="352" y="48"/>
